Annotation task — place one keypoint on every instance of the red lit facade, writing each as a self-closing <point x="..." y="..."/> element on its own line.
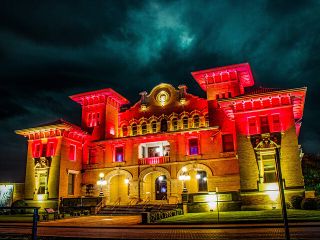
<point x="225" y="143"/>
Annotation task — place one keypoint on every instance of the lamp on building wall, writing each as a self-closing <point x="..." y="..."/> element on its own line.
<point x="184" y="176"/>
<point x="101" y="182"/>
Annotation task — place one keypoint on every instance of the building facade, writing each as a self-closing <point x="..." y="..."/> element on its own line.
<point x="225" y="145"/>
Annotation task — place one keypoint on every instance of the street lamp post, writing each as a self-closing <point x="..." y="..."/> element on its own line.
<point x="101" y="182"/>
<point x="184" y="176"/>
<point x="282" y="196"/>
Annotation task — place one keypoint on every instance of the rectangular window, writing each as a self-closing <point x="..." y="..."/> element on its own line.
<point x="44" y="150"/>
<point x="193" y="146"/>
<point x="227" y="143"/>
<point x="72" y="152"/>
<point x="89" y="120"/>
<point x="252" y="122"/>
<point x="92" y="156"/>
<point x="71" y="180"/>
<point x="42" y="183"/>
<point x="269" y="169"/>
<point x="202" y="181"/>
<point x="37" y="148"/>
<point x="119" y="156"/>
<point x="264" y="124"/>
<point x="50" y="149"/>
<point x="276" y="123"/>
<point x="98" y="119"/>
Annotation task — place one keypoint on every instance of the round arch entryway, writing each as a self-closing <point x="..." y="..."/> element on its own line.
<point x="155" y="184"/>
<point x="118" y="186"/>
<point x="199" y="176"/>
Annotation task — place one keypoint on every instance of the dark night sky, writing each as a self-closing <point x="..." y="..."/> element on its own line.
<point x="50" y="50"/>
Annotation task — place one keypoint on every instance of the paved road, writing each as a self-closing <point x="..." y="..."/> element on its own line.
<point x="105" y="230"/>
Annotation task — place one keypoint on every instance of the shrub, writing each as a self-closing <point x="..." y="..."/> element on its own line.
<point x="309" y="204"/>
<point x="289" y="205"/>
<point x="318" y="202"/>
<point x="19" y="203"/>
<point x="296" y="201"/>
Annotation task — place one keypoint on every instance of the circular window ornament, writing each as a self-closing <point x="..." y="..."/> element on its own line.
<point x="162" y="97"/>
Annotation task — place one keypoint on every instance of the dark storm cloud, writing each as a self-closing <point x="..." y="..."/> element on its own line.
<point x="52" y="49"/>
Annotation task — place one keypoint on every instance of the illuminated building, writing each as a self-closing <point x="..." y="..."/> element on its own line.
<point x="226" y="143"/>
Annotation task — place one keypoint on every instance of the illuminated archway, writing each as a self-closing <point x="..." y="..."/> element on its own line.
<point x="118" y="186"/>
<point x="149" y="178"/>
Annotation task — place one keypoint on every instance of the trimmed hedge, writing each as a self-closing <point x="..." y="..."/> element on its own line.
<point x="309" y="204"/>
<point x="296" y="201"/>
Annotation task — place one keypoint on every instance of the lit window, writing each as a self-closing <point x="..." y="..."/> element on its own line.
<point x="71" y="180"/>
<point x="50" y="149"/>
<point x="124" y="131"/>
<point x="206" y="118"/>
<point x="134" y="129"/>
<point x="193" y="146"/>
<point x="154" y="126"/>
<point x="185" y="122"/>
<point x="269" y="168"/>
<point x="89" y="120"/>
<point x="174" y="124"/>
<point x="42" y="183"/>
<point x="276" y="123"/>
<point x="98" y="119"/>
<point x="36" y="151"/>
<point x="252" y="122"/>
<point x="119" y="154"/>
<point x="44" y="150"/>
<point x="264" y="124"/>
<point x="144" y="128"/>
<point x="72" y="152"/>
<point x="202" y="181"/>
<point x="196" y="121"/>
<point x="227" y="143"/>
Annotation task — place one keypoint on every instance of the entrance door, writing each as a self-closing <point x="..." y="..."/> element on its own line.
<point x="161" y="188"/>
<point x="119" y="189"/>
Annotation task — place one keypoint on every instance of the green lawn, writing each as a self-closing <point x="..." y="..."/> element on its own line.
<point x="243" y="216"/>
<point x="16" y="218"/>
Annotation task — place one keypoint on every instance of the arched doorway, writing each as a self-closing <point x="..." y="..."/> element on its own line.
<point x="119" y="189"/>
<point x="199" y="177"/>
<point x="161" y="188"/>
<point x="155" y="184"/>
<point x="118" y="186"/>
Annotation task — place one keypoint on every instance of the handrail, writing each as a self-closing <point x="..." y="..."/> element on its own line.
<point x="161" y="204"/>
<point x="146" y="202"/>
<point x="131" y="203"/>
<point x="117" y="202"/>
<point x="154" y="160"/>
<point x="98" y="207"/>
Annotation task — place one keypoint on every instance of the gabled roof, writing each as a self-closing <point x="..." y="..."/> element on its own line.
<point x="57" y="124"/>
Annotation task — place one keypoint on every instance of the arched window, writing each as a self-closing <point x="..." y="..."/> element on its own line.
<point x="164" y="125"/>
<point x="185" y="122"/>
<point x="196" y="121"/>
<point x="124" y="130"/>
<point x="134" y="129"/>
<point x="154" y="126"/>
<point x="144" y="128"/>
<point x="174" y="124"/>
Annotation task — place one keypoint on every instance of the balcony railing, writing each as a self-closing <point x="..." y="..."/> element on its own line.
<point x="154" y="160"/>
